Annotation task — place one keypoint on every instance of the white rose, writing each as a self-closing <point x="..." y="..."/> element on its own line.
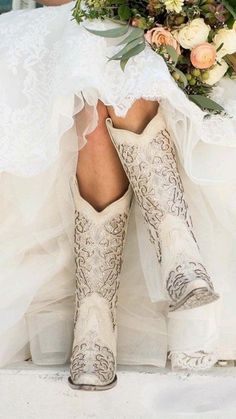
<point x="193" y="34"/>
<point x="227" y="37"/>
<point x="216" y="73"/>
<point x="234" y="27"/>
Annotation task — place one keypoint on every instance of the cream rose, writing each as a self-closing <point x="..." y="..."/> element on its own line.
<point x="160" y="36"/>
<point x="227" y="37"/>
<point x="216" y="73"/>
<point x="193" y="34"/>
<point x="174" y="5"/>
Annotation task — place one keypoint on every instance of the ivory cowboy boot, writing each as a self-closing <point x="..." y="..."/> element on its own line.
<point x="193" y="361"/>
<point x="99" y="242"/>
<point x="150" y="164"/>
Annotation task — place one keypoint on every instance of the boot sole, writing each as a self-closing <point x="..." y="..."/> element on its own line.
<point x="92" y="387"/>
<point x="195" y="298"/>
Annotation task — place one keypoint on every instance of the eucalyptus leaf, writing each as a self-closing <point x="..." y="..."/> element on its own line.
<point x="134" y="51"/>
<point x="172" y="53"/>
<point x="126" y="49"/>
<point x="123" y="64"/>
<point x="134" y="34"/>
<point x="110" y="33"/>
<point x="206" y="103"/>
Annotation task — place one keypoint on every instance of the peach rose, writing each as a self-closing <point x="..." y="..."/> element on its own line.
<point x="203" y="56"/>
<point x="160" y="36"/>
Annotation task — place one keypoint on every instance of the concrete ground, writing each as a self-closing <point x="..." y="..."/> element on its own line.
<point x="32" y="392"/>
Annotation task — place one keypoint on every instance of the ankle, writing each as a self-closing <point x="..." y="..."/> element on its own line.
<point x="101" y="199"/>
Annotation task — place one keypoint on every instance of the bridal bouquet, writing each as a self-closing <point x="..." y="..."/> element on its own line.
<point x="196" y="38"/>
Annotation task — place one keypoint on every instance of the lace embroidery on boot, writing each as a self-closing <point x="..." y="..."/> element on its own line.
<point x="179" y="278"/>
<point x="153" y="173"/>
<point x="103" y="366"/>
<point x="155" y="165"/>
<point x="78" y="361"/>
<point x="192" y="361"/>
<point x="98" y="257"/>
<point x="103" y="245"/>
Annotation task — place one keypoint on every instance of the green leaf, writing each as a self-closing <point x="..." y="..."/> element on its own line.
<point x="172" y="53"/>
<point x="116" y="2"/>
<point x="126" y="49"/>
<point x="134" y="51"/>
<point x="134" y="34"/>
<point x="230" y="5"/>
<point x="110" y="33"/>
<point x="183" y="60"/>
<point x="230" y="22"/>
<point x="123" y="64"/>
<point x="124" y="12"/>
<point x="219" y="48"/>
<point x="206" y="103"/>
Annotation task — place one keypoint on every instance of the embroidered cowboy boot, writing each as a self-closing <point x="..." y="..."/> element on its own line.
<point x="99" y="243"/>
<point x="193" y="361"/>
<point x="150" y="164"/>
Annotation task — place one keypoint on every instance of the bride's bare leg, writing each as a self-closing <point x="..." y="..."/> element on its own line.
<point x="101" y="177"/>
<point x="100" y="174"/>
<point x="137" y="117"/>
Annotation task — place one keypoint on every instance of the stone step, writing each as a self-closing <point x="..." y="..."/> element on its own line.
<point x="32" y="392"/>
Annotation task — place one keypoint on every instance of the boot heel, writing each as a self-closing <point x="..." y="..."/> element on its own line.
<point x="92" y="387"/>
<point x="195" y="298"/>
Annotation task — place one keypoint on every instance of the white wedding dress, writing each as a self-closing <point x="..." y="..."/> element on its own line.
<point x="52" y="73"/>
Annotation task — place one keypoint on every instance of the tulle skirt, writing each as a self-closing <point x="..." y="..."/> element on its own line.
<point x="52" y="73"/>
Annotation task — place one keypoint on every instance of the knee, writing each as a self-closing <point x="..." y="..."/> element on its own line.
<point x="99" y="138"/>
<point x="137" y="117"/>
<point x="102" y="112"/>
